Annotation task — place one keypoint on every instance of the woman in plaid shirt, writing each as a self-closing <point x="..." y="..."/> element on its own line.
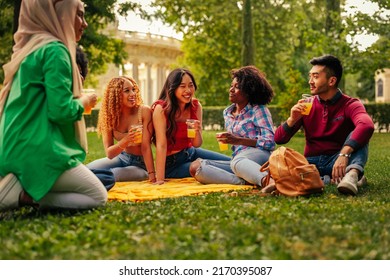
<point x="249" y="130"/>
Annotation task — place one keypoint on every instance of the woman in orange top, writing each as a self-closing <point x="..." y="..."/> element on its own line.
<point x="128" y="157"/>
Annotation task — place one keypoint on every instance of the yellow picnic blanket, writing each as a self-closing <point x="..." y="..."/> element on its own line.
<point x="144" y="190"/>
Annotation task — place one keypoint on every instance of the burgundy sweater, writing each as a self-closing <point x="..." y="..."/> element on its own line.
<point x="328" y="125"/>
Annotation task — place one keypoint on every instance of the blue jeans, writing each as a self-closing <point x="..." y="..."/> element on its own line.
<point x="244" y="167"/>
<point x="325" y="163"/>
<point x="126" y="167"/>
<point x="178" y="165"/>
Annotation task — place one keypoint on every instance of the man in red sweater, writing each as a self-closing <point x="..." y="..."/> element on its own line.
<point x="337" y="129"/>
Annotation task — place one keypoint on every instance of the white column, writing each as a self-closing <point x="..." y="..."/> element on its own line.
<point x="135" y="71"/>
<point x="160" y="79"/>
<point x="149" y="84"/>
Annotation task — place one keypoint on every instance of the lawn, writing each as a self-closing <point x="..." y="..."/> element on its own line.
<point x="214" y="226"/>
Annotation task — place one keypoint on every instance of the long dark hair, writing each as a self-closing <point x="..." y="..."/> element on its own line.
<point x="167" y="94"/>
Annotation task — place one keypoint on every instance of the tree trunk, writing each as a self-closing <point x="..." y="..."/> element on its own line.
<point x="248" y="48"/>
<point x="332" y="16"/>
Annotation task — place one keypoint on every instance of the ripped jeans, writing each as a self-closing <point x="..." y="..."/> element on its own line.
<point x="178" y="165"/>
<point x="244" y="167"/>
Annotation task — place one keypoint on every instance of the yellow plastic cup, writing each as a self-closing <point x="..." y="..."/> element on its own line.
<point x="87" y="110"/>
<point x="308" y="103"/>
<point x="138" y="129"/>
<point x="222" y="146"/>
<point x="190" y="128"/>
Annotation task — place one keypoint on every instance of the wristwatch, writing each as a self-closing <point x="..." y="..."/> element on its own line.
<point x="345" y="155"/>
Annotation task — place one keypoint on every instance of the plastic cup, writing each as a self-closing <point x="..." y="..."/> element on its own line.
<point x="308" y="103"/>
<point x="137" y="128"/>
<point x="190" y="128"/>
<point x="222" y="146"/>
<point x="87" y="110"/>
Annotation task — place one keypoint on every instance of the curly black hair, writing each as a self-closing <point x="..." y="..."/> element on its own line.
<point x="252" y="82"/>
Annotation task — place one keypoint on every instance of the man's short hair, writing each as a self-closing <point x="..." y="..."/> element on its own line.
<point x="332" y="65"/>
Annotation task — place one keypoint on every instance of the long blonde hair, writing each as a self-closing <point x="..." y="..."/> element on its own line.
<point x="110" y="111"/>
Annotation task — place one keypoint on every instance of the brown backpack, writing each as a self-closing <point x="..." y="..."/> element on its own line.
<point x="293" y="174"/>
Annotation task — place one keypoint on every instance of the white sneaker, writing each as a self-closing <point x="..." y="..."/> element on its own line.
<point x="10" y="190"/>
<point x="362" y="182"/>
<point x="348" y="184"/>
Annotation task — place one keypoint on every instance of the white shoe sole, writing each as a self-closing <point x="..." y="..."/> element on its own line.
<point x="347" y="190"/>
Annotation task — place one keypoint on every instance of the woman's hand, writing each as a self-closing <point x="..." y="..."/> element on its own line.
<point x="89" y="100"/>
<point x="229" y="138"/>
<point x="197" y="125"/>
<point x="132" y="137"/>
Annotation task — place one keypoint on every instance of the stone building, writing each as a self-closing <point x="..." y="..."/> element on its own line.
<point x="150" y="59"/>
<point x="382" y="86"/>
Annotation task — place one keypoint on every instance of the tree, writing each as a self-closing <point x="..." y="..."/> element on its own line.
<point x="287" y="34"/>
<point x="248" y="48"/>
<point x="364" y="63"/>
<point x="6" y="41"/>
<point x="100" y="47"/>
<point x="211" y="43"/>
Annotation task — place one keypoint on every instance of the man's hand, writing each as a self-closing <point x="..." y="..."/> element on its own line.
<point x="339" y="167"/>
<point x="296" y="113"/>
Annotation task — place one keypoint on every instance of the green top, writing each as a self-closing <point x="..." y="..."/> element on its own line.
<point x="37" y="141"/>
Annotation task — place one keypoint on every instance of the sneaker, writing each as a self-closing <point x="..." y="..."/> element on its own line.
<point x="348" y="184"/>
<point x="362" y="182"/>
<point x="10" y="190"/>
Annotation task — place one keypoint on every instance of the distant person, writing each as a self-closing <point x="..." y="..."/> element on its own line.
<point x="106" y="176"/>
<point x="174" y="149"/>
<point x="122" y="107"/>
<point x="249" y="129"/>
<point x="42" y="140"/>
<point x="82" y="63"/>
<point x="337" y="129"/>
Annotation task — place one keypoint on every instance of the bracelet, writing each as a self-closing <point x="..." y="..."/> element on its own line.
<point x="345" y="155"/>
<point x="151" y="172"/>
<point x="121" y="147"/>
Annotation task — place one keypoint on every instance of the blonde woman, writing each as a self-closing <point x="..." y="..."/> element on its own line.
<point x="42" y="135"/>
<point x="121" y="109"/>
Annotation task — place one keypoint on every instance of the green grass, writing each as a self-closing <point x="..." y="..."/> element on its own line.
<point x="214" y="226"/>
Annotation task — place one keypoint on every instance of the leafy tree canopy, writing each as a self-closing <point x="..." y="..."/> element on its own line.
<point x="287" y="34"/>
<point x="99" y="46"/>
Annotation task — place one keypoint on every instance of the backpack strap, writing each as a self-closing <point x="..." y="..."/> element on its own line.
<point x="265" y="168"/>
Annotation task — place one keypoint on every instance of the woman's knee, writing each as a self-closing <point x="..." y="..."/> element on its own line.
<point x="195" y="166"/>
<point x="235" y="161"/>
<point x="102" y="198"/>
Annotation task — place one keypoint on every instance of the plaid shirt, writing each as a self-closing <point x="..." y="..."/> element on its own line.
<point x="254" y="122"/>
